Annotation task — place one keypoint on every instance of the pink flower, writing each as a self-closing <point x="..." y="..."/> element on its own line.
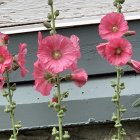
<point x="39" y="38"/>
<point x="113" y="25"/>
<point x="101" y="48"/>
<point x="1" y="82"/>
<point x="57" y="53"/>
<point x="118" y="52"/>
<point x="75" y="40"/>
<point x="21" y="59"/>
<point x="5" y="59"/>
<point x="79" y="76"/>
<point x="135" y="65"/>
<point x="41" y="81"/>
<point x="3" y="39"/>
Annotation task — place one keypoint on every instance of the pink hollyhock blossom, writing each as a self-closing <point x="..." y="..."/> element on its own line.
<point x="1" y="82"/>
<point x="3" y="39"/>
<point x="118" y="52"/>
<point x="75" y="40"/>
<point x="135" y="65"/>
<point x="39" y="38"/>
<point x="58" y="53"/>
<point x="113" y="25"/>
<point x="101" y="49"/>
<point x="41" y="83"/>
<point x="5" y="59"/>
<point x="79" y="76"/>
<point x="20" y="58"/>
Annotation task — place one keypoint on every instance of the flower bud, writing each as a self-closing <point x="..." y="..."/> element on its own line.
<point x="66" y="136"/>
<point x="56" y="13"/>
<point x="118" y="125"/>
<point x="13" y="87"/>
<point x="5" y="93"/>
<point x="47" y="24"/>
<point x="50" y="2"/>
<point x="49" y="16"/>
<point x="130" y="33"/>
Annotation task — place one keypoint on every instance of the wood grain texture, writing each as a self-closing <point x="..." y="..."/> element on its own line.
<point x="15" y="12"/>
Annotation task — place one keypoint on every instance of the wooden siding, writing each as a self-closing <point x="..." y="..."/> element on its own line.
<point x="19" y="12"/>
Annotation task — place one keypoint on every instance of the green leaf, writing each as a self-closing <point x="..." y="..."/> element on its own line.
<point x="136" y="103"/>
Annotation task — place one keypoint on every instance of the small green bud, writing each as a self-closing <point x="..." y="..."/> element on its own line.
<point x="7" y="109"/>
<point x="56" y="13"/>
<point x="115" y="3"/>
<point x="55" y="132"/>
<point x="4" y="93"/>
<point x="66" y="136"/>
<point x="121" y="1"/>
<point x="122" y="86"/>
<point x="122" y="109"/>
<point x="49" y="16"/>
<point x="18" y="126"/>
<point x="50" y="104"/>
<point x="50" y="2"/>
<point x="65" y="94"/>
<point x="13" y="87"/>
<point x="47" y="24"/>
<point x="118" y="125"/>
<point x="114" y="117"/>
<point x="51" y="32"/>
<point x="123" y="132"/>
<point x="115" y="98"/>
<point x="113" y="83"/>
<point x="64" y="108"/>
<point x="56" y="138"/>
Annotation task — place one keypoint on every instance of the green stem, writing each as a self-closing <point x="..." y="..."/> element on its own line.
<point x="59" y="102"/>
<point x="12" y="116"/>
<point x="118" y="103"/>
<point x="53" y="20"/>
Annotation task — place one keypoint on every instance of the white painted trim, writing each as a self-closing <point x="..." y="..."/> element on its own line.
<point x="40" y="27"/>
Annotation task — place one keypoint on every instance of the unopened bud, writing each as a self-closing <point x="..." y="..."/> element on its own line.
<point x="56" y="13"/>
<point x="13" y="87"/>
<point x="49" y="16"/>
<point x="50" y="2"/>
<point x="47" y="24"/>
<point x="130" y="33"/>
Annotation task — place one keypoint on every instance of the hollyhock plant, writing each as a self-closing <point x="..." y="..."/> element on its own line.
<point x="58" y="53"/>
<point x="79" y="76"/>
<point x="7" y="63"/>
<point x="118" y="52"/>
<point x="135" y="65"/>
<point x="113" y="25"/>
<point x="41" y="76"/>
<point x="20" y="59"/>
<point x="5" y="59"/>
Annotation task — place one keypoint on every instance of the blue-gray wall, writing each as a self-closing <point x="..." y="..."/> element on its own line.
<point x="91" y="103"/>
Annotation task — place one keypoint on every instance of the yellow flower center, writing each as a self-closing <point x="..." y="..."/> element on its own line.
<point x="1" y="59"/>
<point x="56" y="54"/>
<point x="118" y="51"/>
<point x="115" y="29"/>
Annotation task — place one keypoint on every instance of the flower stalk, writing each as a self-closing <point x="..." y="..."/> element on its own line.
<point x="60" y="111"/>
<point x="118" y="87"/>
<point x="11" y="107"/>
